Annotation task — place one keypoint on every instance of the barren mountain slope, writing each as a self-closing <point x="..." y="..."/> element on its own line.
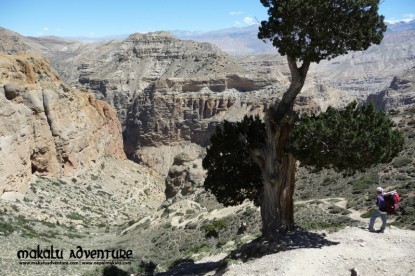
<point x="48" y="46"/>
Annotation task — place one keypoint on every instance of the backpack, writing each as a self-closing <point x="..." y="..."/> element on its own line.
<point x="392" y="199"/>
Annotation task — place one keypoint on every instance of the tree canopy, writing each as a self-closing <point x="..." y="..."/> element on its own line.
<point x="312" y="30"/>
<point x="351" y="139"/>
<point x="232" y="175"/>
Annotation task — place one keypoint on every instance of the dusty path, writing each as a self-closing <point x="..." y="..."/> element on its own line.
<point x="391" y="253"/>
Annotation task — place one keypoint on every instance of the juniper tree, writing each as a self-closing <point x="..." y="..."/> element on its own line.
<point x="304" y="31"/>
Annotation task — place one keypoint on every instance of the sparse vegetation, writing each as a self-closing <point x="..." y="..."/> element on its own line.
<point x="401" y="162"/>
<point x="212" y="228"/>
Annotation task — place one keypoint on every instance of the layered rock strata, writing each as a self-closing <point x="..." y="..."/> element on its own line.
<point x="401" y="92"/>
<point x="169" y="91"/>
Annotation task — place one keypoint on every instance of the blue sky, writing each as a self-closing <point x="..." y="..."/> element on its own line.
<point x="96" y="18"/>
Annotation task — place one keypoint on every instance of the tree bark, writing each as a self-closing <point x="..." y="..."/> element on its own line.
<point x="278" y="165"/>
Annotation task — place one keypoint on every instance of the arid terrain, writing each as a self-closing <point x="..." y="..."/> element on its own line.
<point x="101" y="146"/>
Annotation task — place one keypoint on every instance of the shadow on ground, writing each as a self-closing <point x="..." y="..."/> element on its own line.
<point x="256" y="249"/>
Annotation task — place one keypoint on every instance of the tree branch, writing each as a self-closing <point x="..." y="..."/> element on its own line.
<point x="298" y="76"/>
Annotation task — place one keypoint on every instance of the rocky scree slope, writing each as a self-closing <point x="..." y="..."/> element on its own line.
<point x="47" y="127"/>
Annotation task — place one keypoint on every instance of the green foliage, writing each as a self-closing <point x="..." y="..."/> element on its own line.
<point x="368" y="214"/>
<point x="233" y="176"/>
<point x="212" y="228"/>
<point x="313" y="30"/>
<point x="364" y="183"/>
<point x="352" y="139"/>
<point x="6" y="228"/>
<point x="312" y="217"/>
<point x="75" y="216"/>
<point x="338" y="210"/>
<point x="348" y="140"/>
<point x="198" y="249"/>
<point x="401" y="162"/>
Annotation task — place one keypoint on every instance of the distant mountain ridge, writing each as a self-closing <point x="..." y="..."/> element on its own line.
<point x="234" y="41"/>
<point x="244" y="41"/>
<point x="401" y="26"/>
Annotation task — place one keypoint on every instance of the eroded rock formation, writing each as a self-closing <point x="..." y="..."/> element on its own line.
<point x="48" y="128"/>
<point x="184" y="177"/>
<point x="401" y="92"/>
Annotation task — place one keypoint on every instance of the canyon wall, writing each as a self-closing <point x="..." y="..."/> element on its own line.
<point x="48" y="128"/>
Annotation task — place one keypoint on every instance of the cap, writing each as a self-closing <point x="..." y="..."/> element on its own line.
<point x="379" y="189"/>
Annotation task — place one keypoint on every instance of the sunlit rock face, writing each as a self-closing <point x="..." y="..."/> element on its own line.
<point x="48" y="128"/>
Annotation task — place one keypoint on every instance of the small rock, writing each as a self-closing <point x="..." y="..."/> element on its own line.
<point x="353" y="272"/>
<point x="79" y="227"/>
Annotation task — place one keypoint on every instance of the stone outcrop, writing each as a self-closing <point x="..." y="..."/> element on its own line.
<point x="167" y="90"/>
<point x="121" y="71"/>
<point x="401" y="92"/>
<point x="184" y="177"/>
<point x="156" y="118"/>
<point x="48" y="128"/>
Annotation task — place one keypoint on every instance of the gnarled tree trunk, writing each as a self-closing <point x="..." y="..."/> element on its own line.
<point x="277" y="165"/>
<point x="279" y="181"/>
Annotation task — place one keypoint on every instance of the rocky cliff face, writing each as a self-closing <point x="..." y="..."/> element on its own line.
<point x="48" y="128"/>
<point x="401" y="92"/>
<point x="119" y="72"/>
<point x="167" y="90"/>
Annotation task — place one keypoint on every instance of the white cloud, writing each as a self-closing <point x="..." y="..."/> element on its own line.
<point x="248" y="20"/>
<point x="45" y="29"/>
<point x="233" y="13"/>
<point x="405" y="18"/>
<point x="409" y="15"/>
<point x="91" y="33"/>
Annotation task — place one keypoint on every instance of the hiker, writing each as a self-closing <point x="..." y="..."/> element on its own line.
<point x="381" y="212"/>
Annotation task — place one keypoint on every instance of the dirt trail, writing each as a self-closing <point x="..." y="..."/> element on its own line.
<point x="335" y="254"/>
<point x="369" y="253"/>
<point x="392" y="252"/>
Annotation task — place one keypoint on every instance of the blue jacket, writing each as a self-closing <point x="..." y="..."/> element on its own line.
<point x="380" y="202"/>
